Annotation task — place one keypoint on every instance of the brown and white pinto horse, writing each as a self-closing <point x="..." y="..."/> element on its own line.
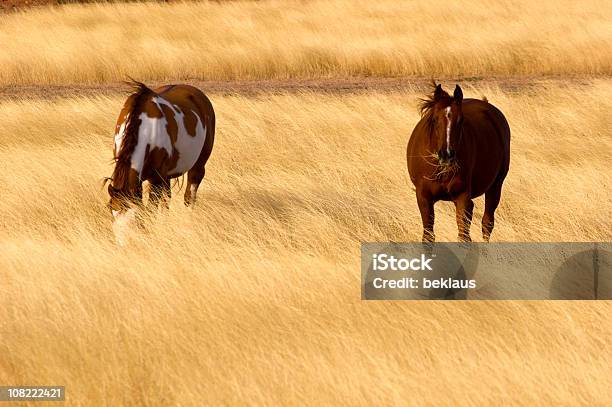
<point x="160" y="134"/>
<point x="459" y="150"/>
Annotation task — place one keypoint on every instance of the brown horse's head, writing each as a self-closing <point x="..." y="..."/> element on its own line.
<point x="124" y="189"/>
<point x="121" y="200"/>
<point x="444" y="117"/>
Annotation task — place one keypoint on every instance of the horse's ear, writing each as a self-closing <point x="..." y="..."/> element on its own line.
<point x="458" y="94"/>
<point x="437" y="92"/>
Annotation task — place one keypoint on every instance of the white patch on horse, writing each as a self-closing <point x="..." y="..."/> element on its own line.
<point x="119" y="135"/>
<point x="189" y="147"/>
<point x="153" y="133"/>
<point x="448" y="128"/>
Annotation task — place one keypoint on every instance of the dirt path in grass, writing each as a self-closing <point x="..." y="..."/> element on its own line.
<point x="331" y="85"/>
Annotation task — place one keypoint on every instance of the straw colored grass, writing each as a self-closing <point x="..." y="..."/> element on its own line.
<point x="254" y="295"/>
<point x="297" y="39"/>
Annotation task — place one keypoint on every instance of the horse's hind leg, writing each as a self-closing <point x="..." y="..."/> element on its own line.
<point x="194" y="177"/>
<point x="492" y="197"/>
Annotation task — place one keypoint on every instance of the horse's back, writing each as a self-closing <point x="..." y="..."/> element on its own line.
<point x="190" y="97"/>
<point x="186" y="137"/>
<point x="187" y="96"/>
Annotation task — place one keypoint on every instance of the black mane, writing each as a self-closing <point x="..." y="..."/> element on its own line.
<point x="426" y="104"/>
<point x="130" y="135"/>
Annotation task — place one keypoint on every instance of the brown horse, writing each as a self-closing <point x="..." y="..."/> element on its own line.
<point x="459" y="150"/>
<point x="160" y="134"/>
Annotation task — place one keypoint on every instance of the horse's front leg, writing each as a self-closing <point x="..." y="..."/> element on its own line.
<point x="159" y="192"/>
<point x="166" y="193"/>
<point x="464" y="208"/>
<point x="426" y="207"/>
<point x="155" y="195"/>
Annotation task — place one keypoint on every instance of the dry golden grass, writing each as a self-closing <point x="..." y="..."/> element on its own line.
<point x="280" y="39"/>
<point x="254" y="295"/>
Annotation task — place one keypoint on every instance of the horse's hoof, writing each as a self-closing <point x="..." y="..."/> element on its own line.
<point x="429" y="238"/>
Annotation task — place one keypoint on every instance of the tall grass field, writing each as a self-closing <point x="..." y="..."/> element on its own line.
<point x="97" y="43"/>
<point x="253" y="295"/>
